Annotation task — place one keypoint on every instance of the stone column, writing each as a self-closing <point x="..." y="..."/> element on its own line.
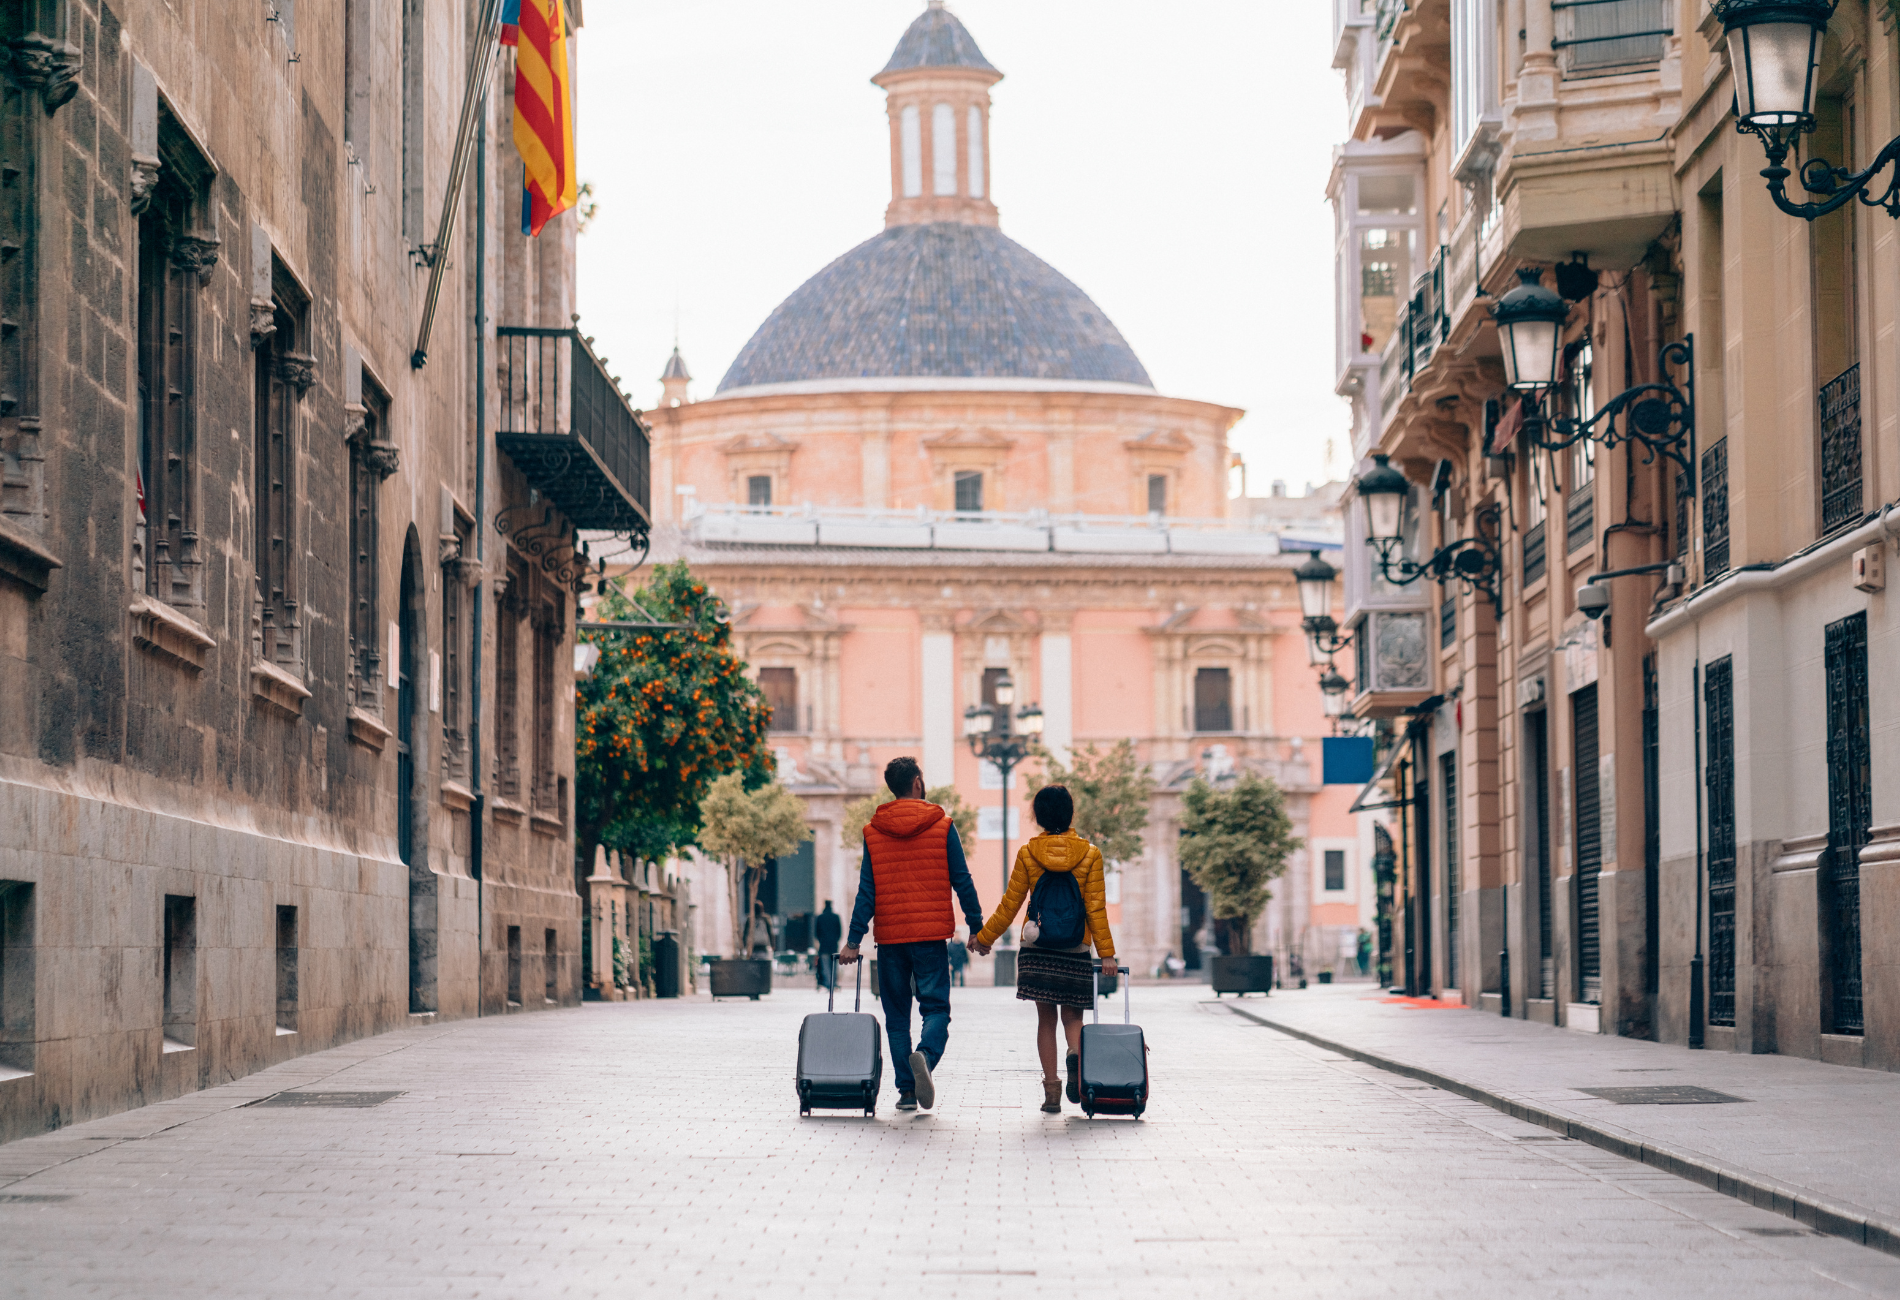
<point x="937" y="697"/>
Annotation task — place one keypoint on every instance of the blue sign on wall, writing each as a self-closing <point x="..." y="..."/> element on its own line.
<point x="1346" y="760"/>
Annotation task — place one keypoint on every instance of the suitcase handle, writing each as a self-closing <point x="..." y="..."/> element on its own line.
<point x="1095" y="982"/>
<point x="831" y="985"/>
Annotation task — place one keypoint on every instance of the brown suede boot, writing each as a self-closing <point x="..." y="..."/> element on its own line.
<point x="1052" y="1096"/>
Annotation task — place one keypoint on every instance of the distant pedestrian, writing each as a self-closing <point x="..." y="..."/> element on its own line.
<point x="1363" y="953"/>
<point x="828" y="926"/>
<point x="959" y="960"/>
<point x="1060" y="875"/>
<point x="913" y="865"/>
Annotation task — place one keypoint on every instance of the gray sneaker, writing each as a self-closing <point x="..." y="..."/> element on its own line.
<point x="925" y="1089"/>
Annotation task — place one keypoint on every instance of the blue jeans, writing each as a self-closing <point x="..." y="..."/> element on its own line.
<point x="928" y="965"/>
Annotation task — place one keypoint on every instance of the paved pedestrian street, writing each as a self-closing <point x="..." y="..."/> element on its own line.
<point x="656" y="1148"/>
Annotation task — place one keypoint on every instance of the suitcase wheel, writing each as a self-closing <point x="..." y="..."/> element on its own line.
<point x="755" y="997"/>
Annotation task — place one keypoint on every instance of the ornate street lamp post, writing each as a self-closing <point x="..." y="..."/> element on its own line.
<point x="993" y="740"/>
<point x="1774" y="50"/>
<point x="1660" y="416"/>
<point x="1474" y="561"/>
<point x="1315" y="582"/>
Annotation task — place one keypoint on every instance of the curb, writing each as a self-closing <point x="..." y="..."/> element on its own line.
<point x="1836" y="1219"/>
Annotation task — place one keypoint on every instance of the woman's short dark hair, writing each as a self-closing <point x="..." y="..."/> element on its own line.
<point x="1055" y="810"/>
<point x="900" y="774"/>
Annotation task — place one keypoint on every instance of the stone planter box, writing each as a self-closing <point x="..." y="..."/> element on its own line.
<point x="741" y="977"/>
<point x="1242" y="975"/>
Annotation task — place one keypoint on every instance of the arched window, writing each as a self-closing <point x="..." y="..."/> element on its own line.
<point x="976" y="152"/>
<point x="911" y="130"/>
<point x="943" y="149"/>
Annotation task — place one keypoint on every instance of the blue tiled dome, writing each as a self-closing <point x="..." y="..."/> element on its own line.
<point x="939" y="300"/>
<point x="937" y="40"/>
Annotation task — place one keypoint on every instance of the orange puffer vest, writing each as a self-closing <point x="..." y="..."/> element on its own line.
<point x="911" y="869"/>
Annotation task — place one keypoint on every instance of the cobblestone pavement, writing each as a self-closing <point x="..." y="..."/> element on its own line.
<point x="1827" y="1134"/>
<point x="655" y="1148"/>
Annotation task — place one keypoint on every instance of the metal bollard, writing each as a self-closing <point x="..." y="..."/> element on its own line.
<point x="1504" y="981"/>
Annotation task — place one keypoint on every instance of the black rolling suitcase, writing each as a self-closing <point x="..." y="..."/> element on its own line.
<point x="1114" y="1064"/>
<point x="840" y="1057"/>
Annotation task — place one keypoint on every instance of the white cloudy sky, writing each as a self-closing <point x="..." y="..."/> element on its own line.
<point x="1170" y="158"/>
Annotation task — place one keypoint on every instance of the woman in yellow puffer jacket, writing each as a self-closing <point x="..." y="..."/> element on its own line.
<point x="1055" y="977"/>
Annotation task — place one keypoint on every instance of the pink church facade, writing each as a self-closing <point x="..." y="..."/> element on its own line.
<point x="938" y="463"/>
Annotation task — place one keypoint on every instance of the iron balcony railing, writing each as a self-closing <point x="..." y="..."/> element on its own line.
<point x="570" y="430"/>
<point x="1423" y="323"/>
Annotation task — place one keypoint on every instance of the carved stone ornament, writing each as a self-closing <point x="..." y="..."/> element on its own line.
<point x="36" y="60"/>
<point x="499" y="584"/>
<point x="263" y="321"/>
<point x="355" y="422"/>
<point x="382" y="457"/>
<point x="144" y="183"/>
<point x="195" y="253"/>
<point x="298" y="369"/>
<point x="467" y="570"/>
<point x="448" y="548"/>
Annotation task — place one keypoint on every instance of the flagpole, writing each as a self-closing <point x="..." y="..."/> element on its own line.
<point x="481" y="67"/>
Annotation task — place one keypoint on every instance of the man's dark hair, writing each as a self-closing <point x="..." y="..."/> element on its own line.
<point x="900" y="774"/>
<point x="1055" y="810"/>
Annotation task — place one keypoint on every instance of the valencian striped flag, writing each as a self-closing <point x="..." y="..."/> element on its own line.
<point x="544" y="111"/>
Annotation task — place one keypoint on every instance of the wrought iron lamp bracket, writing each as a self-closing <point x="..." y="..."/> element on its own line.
<point x="1477" y="561"/>
<point x="1837" y="185"/>
<point x="1325" y="634"/>
<point x="1659" y="417"/>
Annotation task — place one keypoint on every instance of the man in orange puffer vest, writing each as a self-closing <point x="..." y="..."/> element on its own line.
<point x="913" y="861"/>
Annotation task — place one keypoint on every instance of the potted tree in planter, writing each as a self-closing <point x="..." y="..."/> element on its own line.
<point x="745" y="828"/>
<point x="1235" y="841"/>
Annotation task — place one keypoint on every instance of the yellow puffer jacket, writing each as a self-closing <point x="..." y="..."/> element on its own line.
<point x="1065" y="852"/>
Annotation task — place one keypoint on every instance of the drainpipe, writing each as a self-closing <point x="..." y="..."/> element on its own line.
<point x="480" y="810"/>
<point x="1697" y="1010"/>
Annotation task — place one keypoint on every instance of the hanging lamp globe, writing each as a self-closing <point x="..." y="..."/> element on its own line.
<point x="1332" y="689"/>
<point x="1774" y="50"/>
<point x="1315" y="581"/>
<point x="1530" y="320"/>
<point x="1385" y="491"/>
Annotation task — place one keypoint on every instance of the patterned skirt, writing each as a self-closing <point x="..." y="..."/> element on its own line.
<point x="1065" y="978"/>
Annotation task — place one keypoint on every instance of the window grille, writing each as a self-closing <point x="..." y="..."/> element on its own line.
<point x="1533" y="554"/>
<point x="1718" y="710"/>
<point x="1715" y="510"/>
<point x="1849" y="816"/>
<point x="1335" y="869"/>
<point x="1601" y="37"/>
<point x="1448" y="623"/>
<point x="1841" y="476"/>
<point x="1580" y="518"/>
<point x="758" y="490"/>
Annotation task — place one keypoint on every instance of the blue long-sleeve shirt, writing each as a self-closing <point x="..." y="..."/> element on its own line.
<point x="959" y="881"/>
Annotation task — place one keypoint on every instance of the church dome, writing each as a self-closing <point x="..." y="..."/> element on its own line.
<point x="942" y="300"/>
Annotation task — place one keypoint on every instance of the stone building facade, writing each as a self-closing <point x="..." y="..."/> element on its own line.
<point x="938" y="464"/>
<point x="1676" y="821"/>
<point x="285" y="741"/>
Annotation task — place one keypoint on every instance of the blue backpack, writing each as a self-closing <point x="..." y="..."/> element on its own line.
<point x="1057" y="912"/>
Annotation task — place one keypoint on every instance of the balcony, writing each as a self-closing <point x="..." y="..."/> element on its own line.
<point x="570" y="431"/>
<point x="1423" y="323"/>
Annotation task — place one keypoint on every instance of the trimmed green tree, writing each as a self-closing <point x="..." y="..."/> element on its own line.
<point x="1111" y="790"/>
<point x="1234" y="843"/>
<point x="666" y="712"/>
<point x="743" y="828"/>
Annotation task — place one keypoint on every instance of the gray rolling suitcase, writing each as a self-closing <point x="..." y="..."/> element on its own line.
<point x="840" y="1056"/>
<point x="1114" y="1064"/>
